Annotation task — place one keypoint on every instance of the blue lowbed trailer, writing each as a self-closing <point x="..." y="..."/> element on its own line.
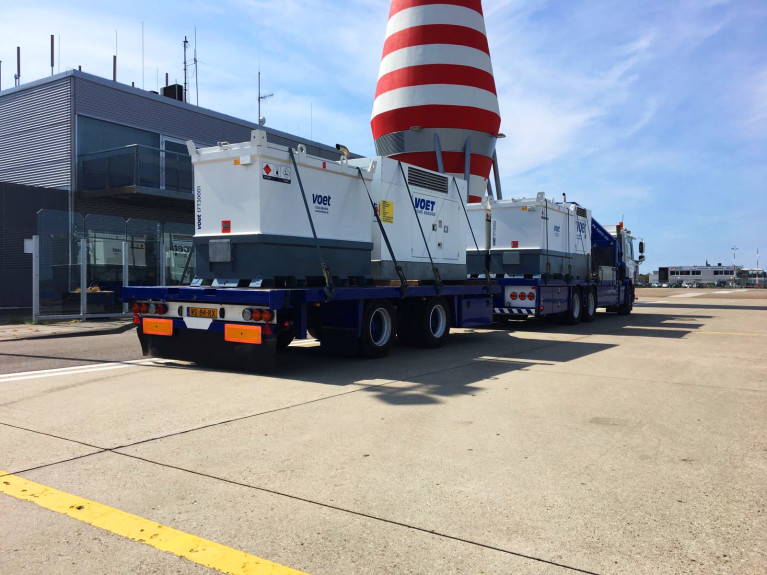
<point x="244" y="327"/>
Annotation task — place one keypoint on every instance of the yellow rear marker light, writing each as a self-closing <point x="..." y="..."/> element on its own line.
<point x="201" y="551"/>
<point x="242" y="333"/>
<point x="158" y="326"/>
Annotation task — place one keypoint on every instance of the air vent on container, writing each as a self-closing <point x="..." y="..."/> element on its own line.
<point x="428" y="180"/>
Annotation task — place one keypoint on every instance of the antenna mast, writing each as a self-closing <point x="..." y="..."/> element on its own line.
<point x="196" y="85"/>
<point x="186" y="88"/>
<point x="261" y="119"/>
<point x="17" y="75"/>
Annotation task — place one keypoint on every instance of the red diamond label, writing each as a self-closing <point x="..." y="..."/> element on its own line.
<point x="267" y="169"/>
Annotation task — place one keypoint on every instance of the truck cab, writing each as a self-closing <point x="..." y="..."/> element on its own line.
<point x="628" y="258"/>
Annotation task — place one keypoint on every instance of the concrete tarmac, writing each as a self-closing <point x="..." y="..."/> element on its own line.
<point x="631" y="445"/>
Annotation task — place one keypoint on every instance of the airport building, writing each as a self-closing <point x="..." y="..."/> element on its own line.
<point x="708" y="275"/>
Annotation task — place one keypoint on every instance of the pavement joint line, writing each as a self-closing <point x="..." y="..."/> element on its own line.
<point x="195" y="549"/>
<point x="359" y="389"/>
<point x="115" y="451"/>
<point x="361" y="514"/>
<point x="54" y="436"/>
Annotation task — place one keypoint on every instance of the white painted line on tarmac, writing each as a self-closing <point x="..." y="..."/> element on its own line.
<point x="687" y="295"/>
<point x="8" y="377"/>
<point x="725" y="291"/>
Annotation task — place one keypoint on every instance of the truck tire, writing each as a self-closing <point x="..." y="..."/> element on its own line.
<point x="378" y="328"/>
<point x="284" y="339"/>
<point x="431" y="321"/>
<point x="625" y="308"/>
<point x="590" y="307"/>
<point x="574" y="312"/>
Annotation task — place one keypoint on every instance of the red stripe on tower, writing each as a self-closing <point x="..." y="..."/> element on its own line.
<point x="436" y="89"/>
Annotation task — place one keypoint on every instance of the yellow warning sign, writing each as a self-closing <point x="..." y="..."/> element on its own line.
<point x="386" y="210"/>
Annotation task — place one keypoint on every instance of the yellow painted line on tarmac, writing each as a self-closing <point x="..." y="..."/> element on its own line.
<point x="208" y="553"/>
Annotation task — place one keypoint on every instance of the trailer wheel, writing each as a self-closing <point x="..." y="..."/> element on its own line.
<point x="432" y="322"/>
<point x="590" y="309"/>
<point x="284" y="339"/>
<point x="625" y="308"/>
<point x="378" y="328"/>
<point x="573" y="315"/>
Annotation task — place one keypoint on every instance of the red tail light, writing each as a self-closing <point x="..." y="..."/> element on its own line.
<point x="266" y="315"/>
<point x="162" y="309"/>
<point x="255" y="314"/>
<point x="513" y="296"/>
<point x="143" y="308"/>
<point x="522" y="295"/>
<point x="531" y="296"/>
<point x="135" y="308"/>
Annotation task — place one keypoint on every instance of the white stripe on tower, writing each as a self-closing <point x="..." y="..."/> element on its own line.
<point x="435" y="14"/>
<point x="435" y="54"/>
<point x="435" y="94"/>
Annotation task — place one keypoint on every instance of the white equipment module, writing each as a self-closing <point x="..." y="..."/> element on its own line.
<point x="252" y="224"/>
<point x="251" y="219"/>
<point x="532" y="237"/>
<point x="405" y="197"/>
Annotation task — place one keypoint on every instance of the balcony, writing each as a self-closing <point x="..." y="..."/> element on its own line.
<point x="135" y="170"/>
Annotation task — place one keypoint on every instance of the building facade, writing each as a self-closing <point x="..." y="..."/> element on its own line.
<point x="709" y="276"/>
<point x="107" y="149"/>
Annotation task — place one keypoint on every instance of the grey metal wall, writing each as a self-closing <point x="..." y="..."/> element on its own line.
<point x="18" y="220"/>
<point x="119" y="103"/>
<point x="36" y="135"/>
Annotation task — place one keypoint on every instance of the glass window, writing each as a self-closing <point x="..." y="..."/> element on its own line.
<point x="177" y="166"/>
<point x="97" y="135"/>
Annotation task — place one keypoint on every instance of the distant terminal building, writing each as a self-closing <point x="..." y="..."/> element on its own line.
<point x="708" y="275"/>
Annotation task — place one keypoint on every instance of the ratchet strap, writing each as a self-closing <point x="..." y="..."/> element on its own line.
<point x="397" y="267"/>
<point x="329" y="287"/>
<point x="437" y="280"/>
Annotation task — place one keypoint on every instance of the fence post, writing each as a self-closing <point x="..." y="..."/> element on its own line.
<point x="161" y="255"/>
<point x="83" y="278"/>
<point x="35" y="279"/>
<point x="125" y="273"/>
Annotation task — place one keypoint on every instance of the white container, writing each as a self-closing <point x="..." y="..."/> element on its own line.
<point x="251" y="221"/>
<point x="253" y="186"/>
<point x="436" y="204"/>
<point x="536" y="236"/>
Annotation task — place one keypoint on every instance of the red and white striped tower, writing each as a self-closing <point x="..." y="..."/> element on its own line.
<point x="435" y="104"/>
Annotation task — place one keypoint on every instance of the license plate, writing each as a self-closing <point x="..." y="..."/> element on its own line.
<point x="203" y="312"/>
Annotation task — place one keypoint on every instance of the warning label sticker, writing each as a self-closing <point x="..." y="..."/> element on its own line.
<point x="275" y="172"/>
<point x="386" y="211"/>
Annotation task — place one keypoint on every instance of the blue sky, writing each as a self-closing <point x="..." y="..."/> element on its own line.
<point x="651" y="111"/>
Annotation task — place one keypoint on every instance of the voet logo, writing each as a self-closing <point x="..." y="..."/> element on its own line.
<point x="424" y="206"/>
<point x="321" y="203"/>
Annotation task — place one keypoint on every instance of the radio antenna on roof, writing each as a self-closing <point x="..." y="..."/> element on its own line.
<point x="186" y="84"/>
<point x="196" y="85"/>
